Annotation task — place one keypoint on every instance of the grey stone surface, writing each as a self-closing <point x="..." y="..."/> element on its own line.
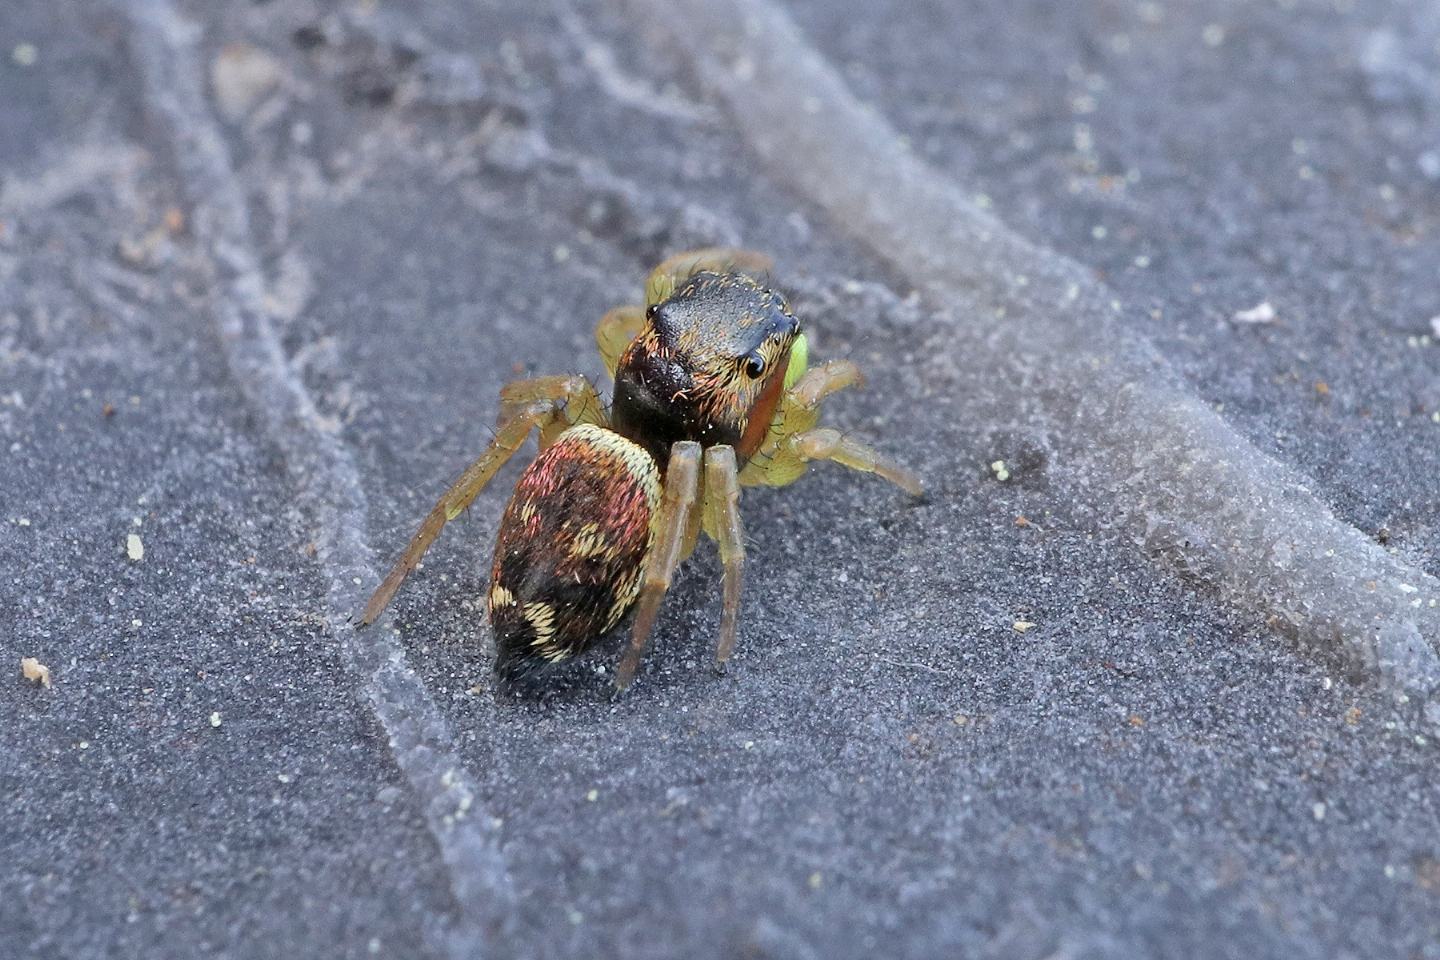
<point x="441" y="195"/>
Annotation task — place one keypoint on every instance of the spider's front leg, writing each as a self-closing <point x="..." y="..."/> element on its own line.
<point x="810" y="391"/>
<point x="776" y="464"/>
<point x="795" y="439"/>
<point x="551" y="404"/>
<point x="825" y="443"/>
<point x="682" y="487"/>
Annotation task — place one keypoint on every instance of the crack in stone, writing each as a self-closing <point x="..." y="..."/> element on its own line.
<point x="165" y="48"/>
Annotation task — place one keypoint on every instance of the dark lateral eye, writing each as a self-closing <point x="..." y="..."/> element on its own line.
<point x="755" y="366"/>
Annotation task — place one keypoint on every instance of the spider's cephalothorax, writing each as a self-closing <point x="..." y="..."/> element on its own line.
<point x="712" y="392"/>
<point x="708" y="366"/>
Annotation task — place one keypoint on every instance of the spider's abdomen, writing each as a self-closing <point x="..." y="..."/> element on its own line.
<point x="571" y="549"/>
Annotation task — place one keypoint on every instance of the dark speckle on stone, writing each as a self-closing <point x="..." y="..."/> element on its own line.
<point x="309" y="36"/>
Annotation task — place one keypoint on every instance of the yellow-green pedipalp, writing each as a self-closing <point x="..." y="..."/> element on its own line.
<point x="799" y="361"/>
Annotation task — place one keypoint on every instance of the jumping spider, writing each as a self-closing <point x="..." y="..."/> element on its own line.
<point x="711" y="394"/>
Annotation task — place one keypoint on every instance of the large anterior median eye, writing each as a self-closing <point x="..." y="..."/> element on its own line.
<point x="754" y="366"/>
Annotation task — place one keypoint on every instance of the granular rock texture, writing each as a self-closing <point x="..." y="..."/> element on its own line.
<point x="264" y="267"/>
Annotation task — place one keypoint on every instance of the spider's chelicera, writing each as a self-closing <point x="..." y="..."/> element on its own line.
<point x="712" y="393"/>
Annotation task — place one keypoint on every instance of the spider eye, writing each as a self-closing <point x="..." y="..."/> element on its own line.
<point x="755" y="366"/>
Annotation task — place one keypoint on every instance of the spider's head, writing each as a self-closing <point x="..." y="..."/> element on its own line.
<point x="709" y="366"/>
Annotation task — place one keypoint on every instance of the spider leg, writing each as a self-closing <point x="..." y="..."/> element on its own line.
<point x="544" y="402"/>
<point x="777" y="463"/>
<point x="572" y="390"/>
<point x="615" y="331"/>
<point x="682" y="481"/>
<point x="824" y="443"/>
<point x="817" y="384"/>
<point x="722" y="520"/>
<point x="572" y="400"/>
<point x="676" y="269"/>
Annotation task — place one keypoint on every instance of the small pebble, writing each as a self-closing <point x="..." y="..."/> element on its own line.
<point x="241" y="76"/>
<point x="1262" y="312"/>
<point x="134" y="548"/>
<point x="35" y="671"/>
